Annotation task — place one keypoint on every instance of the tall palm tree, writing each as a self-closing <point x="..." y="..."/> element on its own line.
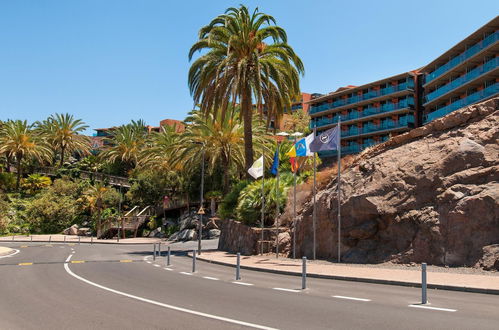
<point x="20" y="140"/>
<point x="64" y="133"/>
<point x="246" y="60"/>
<point x="221" y="139"/>
<point x="126" y="144"/>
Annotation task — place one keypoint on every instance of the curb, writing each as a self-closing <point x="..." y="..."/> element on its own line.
<point x="357" y="279"/>
<point x="75" y="242"/>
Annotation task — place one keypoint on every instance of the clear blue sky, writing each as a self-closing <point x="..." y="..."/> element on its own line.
<point x="110" y="61"/>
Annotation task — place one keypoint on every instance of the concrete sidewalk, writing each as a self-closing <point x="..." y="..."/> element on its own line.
<point x="410" y="277"/>
<point x="75" y="239"/>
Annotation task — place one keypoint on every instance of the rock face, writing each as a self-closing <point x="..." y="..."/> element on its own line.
<point x="429" y="195"/>
<point x="188" y="228"/>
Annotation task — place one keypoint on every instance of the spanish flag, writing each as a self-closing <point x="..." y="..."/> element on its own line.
<point x="292" y="158"/>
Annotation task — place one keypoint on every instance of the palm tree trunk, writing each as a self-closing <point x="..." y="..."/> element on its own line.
<point x="7" y="169"/>
<point x="62" y="157"/>
<point x="248" y="130"/>
<point x="19" y="171"/>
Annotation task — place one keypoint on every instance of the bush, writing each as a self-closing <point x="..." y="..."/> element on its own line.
<point x="51" y="213"/>
<point x="35" y="182"/>
<point x="228" y="206"/>
<point x="249" y="206"/>
<point x="7" y="181"/>
<point x="4" y="220"/>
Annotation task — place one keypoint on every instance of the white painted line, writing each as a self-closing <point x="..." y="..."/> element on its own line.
<point x="351" y="298"/>
<point x="166" y="268"/>
<point x="210" y="278"/>
<point x="68" y="258"/>
<point x="185" y="273"/>
<point x="16" y="251"/>
<point x="287" y="290"/>
<point x="434" y="308"/>
<point x="149" y="262"/>
<point x="156" y="265"/>
<point x="157" y="303"/>
<point x="242" y="283"/>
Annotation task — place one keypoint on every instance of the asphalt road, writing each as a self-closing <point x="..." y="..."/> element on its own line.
<point x="98" y="287"/>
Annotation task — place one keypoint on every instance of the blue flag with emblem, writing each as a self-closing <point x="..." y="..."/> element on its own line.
<point x="328" y="140"/>
<point x="275" y="163"/>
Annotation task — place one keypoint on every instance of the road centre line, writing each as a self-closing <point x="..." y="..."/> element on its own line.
<point x="210" y="278"/>
<point x="166" y="268"/>
<point x="434" y="308"/>
<point x="351" y="298"/>
<point x="287" y="290"/>
<point x="242" y="283"/>
<point x="153" y="302"/>
<point x="126" y="260"/>
<point x="25" y="263"/>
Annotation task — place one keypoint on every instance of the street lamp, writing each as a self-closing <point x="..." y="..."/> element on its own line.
<point x="281" y="136"/>
<point x="295" y="135"/>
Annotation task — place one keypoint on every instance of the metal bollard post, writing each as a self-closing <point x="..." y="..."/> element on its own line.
<point x="31" y="238"/>
<point x="168" y="257"/>
<point x="193" y="261"/>
<point x="159" y="249"/>
<point x="64" y="238"/>
<point x="238" y="267"/>
<point x="13" y="237"/>
<point x="424" y="298"/>
<point x="79" y="239"/>
<point x="304" y="273"/>
<point x="50" y="238"/>
<point x="91" y="240"/>
<point x="154" y="252"/>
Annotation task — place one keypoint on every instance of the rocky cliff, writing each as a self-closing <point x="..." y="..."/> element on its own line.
<point x="429" y="195"/>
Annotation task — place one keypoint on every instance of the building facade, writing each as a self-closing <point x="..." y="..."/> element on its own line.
<point x="465" y="74"/>
<point x="370" y="113"/>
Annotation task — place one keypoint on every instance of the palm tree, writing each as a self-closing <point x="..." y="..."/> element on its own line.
<point x="22" y="142"/>
<point x="240" y="66"/>
<point x="126" y="144"/>
<point x="221" y="139"/>
<point x="64" y="133"/>
<point x="95" y="201"/>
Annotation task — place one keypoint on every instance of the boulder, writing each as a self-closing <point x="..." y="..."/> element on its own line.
<point x="429" y="195"/>
<point x="84" y="231"/>
<point x="490" y="258"/>
<point x="187" y="235"/>
<point x="214" y="233"/>
<point x="73" y="230"/>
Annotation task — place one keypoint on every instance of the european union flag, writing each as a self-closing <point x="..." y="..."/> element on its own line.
<point x="275" y="163"/>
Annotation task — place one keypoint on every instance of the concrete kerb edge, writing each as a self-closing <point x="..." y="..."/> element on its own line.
<point x="76" y="242"/>
<point x="357" y="279"/>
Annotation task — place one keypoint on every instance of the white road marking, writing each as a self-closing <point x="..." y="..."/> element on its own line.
<point x="166" y="268"/>
<point x="242" y="283"/>
<point x="185" y="273"/>
<point x="157" y="303"/>
<point x="288" y="290"/>
<point x="16" y="251"/>
<point x="156" y="265"/>
<point x="351" y="298"/>
<point x="434" y="308"/>
<point x="149" y="262"/>
<point x="210" y="278"/>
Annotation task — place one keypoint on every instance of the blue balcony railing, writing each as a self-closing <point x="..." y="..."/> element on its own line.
<point x="389" y="107"/>
<point x="473" y="98"/>
<point x="476" y="48"/>
<point x="476" y="72"/>
<point x="357" y="98"/>
<point x="404" y="121"/>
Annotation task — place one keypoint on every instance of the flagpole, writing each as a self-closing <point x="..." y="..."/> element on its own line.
<point x="339" y="191"/>
<point x="277" y="206"/>
<point x="263" y="199"/>
<point x="314" y="212"/>
<point x="294" y="207"/>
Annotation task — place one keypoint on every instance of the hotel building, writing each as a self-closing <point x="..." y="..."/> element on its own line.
<point x="465" y="74"/>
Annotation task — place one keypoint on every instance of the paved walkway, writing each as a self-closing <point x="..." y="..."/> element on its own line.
<point x="75" y="239"/>
<point x="442" y="280"/>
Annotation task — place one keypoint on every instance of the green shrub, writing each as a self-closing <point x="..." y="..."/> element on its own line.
<point x="4" y="220"/>
<point x="228" y="206"/>
<point x="249" y="206"/>
<point x="50" y="213"/>
<point x="7" y="181"/>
